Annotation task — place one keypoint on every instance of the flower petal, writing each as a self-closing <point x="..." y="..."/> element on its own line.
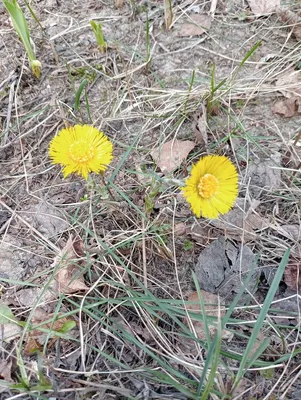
<point x="81" y="149"/>
<point x="227" y="189"/>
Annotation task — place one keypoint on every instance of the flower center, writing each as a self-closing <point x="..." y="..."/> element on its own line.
<point x="207" y="186"/>
<point x="81" y="152"/>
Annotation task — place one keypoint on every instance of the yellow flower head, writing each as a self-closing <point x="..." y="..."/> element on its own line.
<point x="81" y="149"/>
<point x="212" y="187"/>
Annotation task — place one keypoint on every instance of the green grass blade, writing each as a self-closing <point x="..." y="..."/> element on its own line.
<point x="249" y="53"/>
<point x="189" y="91"/>
<point x="78" y="93"/>
<point x="33" y="15"/>
<point x="98" y="33"/>
<point x="214" y="360"/>
<point x="261" y="348"/>
<point x="261" y="317"/>
<point x="203" y="309"/>
<point x="20" y="25"/>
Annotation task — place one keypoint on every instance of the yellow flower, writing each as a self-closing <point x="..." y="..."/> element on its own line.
<point x="81" y="149"/>
<point x="212" y="187"/>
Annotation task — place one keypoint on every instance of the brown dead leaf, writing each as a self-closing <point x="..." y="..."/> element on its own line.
<point x="286" y="108"/>
<point x="119" y="3"/>
<point x="200" y="126"/>
<point x="5" y="370"/>
<point x="289" y="83"/>
<point x="31" y="346"/>
<point x="57" y="324"/>
<point x="37" y="338"/>
<point x="242" y="222"/>
<point x="180" y="229"/>
<point x="260" y="7"/>
<point x="69" y="277"/>
<point x="290" y="18"/>
<point x="34" y="297"/>
<point x="212" y="309"/>
<point x="292" y="274"/>
<point x="196" y="25"/>
<point x="9" y="332"/>
<point x="171" y="154"/>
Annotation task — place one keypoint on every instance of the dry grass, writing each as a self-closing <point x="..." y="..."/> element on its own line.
<point x="130" y="338"/>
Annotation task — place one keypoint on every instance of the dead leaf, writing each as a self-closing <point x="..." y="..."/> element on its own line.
<point x="242" y="222"/>
<point x="52" y="326"/>
<point x="31" y="346"/>
<point x="291" y="305"/>
<point x="180" y="229"/>
<point x="290" y="18"/>
<point x="289" y="83"/>
<point x="196" y="25"/>
<point x="200" y="126"/>
<point x="33" y="297"/>
<point x="47" y="219"/>
<point x="9" y="327"/>
<point x="119" y="3"/>
<point x="5" y="370"/>
<point x="264" y="174"/>
<point x="171" y="154"/>
<point x="222" y="266"/>
<point x="260" y="7"/>
<point x="211" y="308"/>
<point x="9" y="332"/>
<point x="293" y="231"/>
<point x="37" y="338"/>
<point x="69" y="277"/>
<point x="286" y="108"/>
<point x="292" y="274"/>
<point x="210" y="303"/>
<point x="65" y="280"/>
<point x="13" y="259"/>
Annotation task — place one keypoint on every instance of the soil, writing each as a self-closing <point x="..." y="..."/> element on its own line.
<point x="145" y="89"/>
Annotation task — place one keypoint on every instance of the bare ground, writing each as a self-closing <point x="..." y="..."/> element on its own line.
<point x="147" y="88"/>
